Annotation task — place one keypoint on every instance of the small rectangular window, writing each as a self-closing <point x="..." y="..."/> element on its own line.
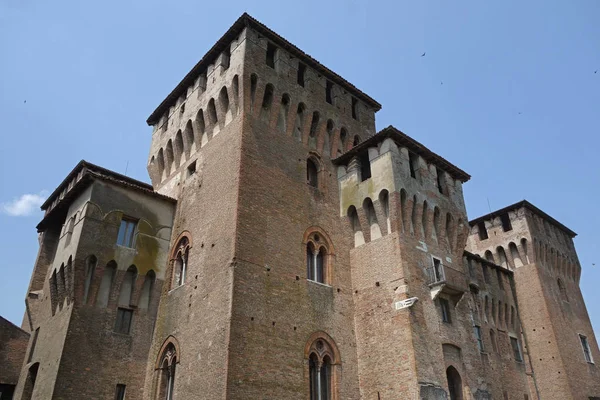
<point x="482" y="230"/>
<point x="445" y="306"/>
<point x="365" y="166"/>
<point x="438" y="270"/>
<point x="355" y="108"/>
<point x="329" y="92"/>
<point x="271" y="50"/>
<point x="120" y="392"/>
<point x="123" y="324"/>
<point x="191" y="169"/>
<point x="126" y="232"/>
<point x="587" y="352"/>
<point x="477" y="331"/>
<point x="413" y="163"/>
<point x="441" y="181"/>
<point x="516" y="347"/>
<point x="301" y="72"/>
<point x="506" y="225"/>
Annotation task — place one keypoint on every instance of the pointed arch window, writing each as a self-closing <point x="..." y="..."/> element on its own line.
<point x="181" y="262"/>
<point x="167" y="366"/>
<point x="323" y="358"/>
<point x="318" y="254"/>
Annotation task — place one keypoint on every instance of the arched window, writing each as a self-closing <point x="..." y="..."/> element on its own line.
<point x="489" y="256"/>
<point x="201" y="128"/>
<point x="355" y="141"/>
<point x="312" y="173"/>
<point x="167" y="365"/>
<point x="322" y="358"/>
<point x="90" y="269"/>
<point x="413" y="216"/>
<point x="487" y="309"/>
<point x="160" y="164"/>
<point x="562" y="289"/>
<point x="146" y="295"/>
<point x="180" y="265"/>
<point x="424" y="221"/>
<point x="450" y="230"/>
<point x="318" y="249"/>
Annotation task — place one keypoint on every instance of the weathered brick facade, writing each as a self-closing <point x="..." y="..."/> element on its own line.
<point x="293" y="251"/>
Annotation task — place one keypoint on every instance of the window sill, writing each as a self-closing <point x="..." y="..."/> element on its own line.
<point x="124" y="247"/>
<point x="175" y="288"/>
<point x="319" y="283"/>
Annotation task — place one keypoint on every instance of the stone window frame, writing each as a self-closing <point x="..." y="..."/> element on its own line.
<point x="320" y="239"/>
<point x="182" y="247"/>
<point x="169" y="356"/>
<point x="322" y="345"/>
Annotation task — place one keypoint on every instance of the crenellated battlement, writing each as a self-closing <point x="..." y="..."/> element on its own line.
<point x="393" y="178"/>
<point x="522" y="234"/>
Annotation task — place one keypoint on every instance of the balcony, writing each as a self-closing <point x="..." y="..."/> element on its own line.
<point x="445" y="279"/>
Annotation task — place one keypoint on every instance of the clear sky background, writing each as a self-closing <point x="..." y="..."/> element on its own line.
<point x="506" y="91"/>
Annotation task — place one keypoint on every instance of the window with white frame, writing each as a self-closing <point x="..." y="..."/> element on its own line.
<point x="126" y="232"/>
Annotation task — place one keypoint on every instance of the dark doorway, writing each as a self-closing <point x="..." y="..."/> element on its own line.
<point x="454" y="383"/>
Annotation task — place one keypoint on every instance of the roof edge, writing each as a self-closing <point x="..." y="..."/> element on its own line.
<point x="523" y="204"/>
<point x="246" y="20"/>
<point x="403" y="139"/>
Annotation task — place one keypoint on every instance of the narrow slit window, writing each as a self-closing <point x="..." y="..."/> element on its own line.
<point x="120" y="392"/>
<point x="355" y="108"/>
<point x="365" y="166"/>
<point x="441" y="182"/>
<point x="445" y="306"/>
<point x="413" y="162"/>
<point x="312" y="173"/>
<point x="271" y="50"/>
<point x="301" y="74"/>
<point x="329" y="92"/>
<point x="477" y="331"/>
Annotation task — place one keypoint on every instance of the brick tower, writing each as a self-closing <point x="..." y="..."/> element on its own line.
<point x="540" y="251"/>
<point x="95" y="286"/>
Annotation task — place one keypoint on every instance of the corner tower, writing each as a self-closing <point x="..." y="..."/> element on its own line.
<point x="540" y="251"/>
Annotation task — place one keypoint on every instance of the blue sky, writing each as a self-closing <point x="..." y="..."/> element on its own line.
<point x="506" y="91"/>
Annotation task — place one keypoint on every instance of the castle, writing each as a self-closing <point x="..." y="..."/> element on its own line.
<point x="287" y="250"/>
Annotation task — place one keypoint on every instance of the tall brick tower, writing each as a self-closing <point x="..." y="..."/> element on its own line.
<point x="245" y="144"/>
<point x="540" y="251"/>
